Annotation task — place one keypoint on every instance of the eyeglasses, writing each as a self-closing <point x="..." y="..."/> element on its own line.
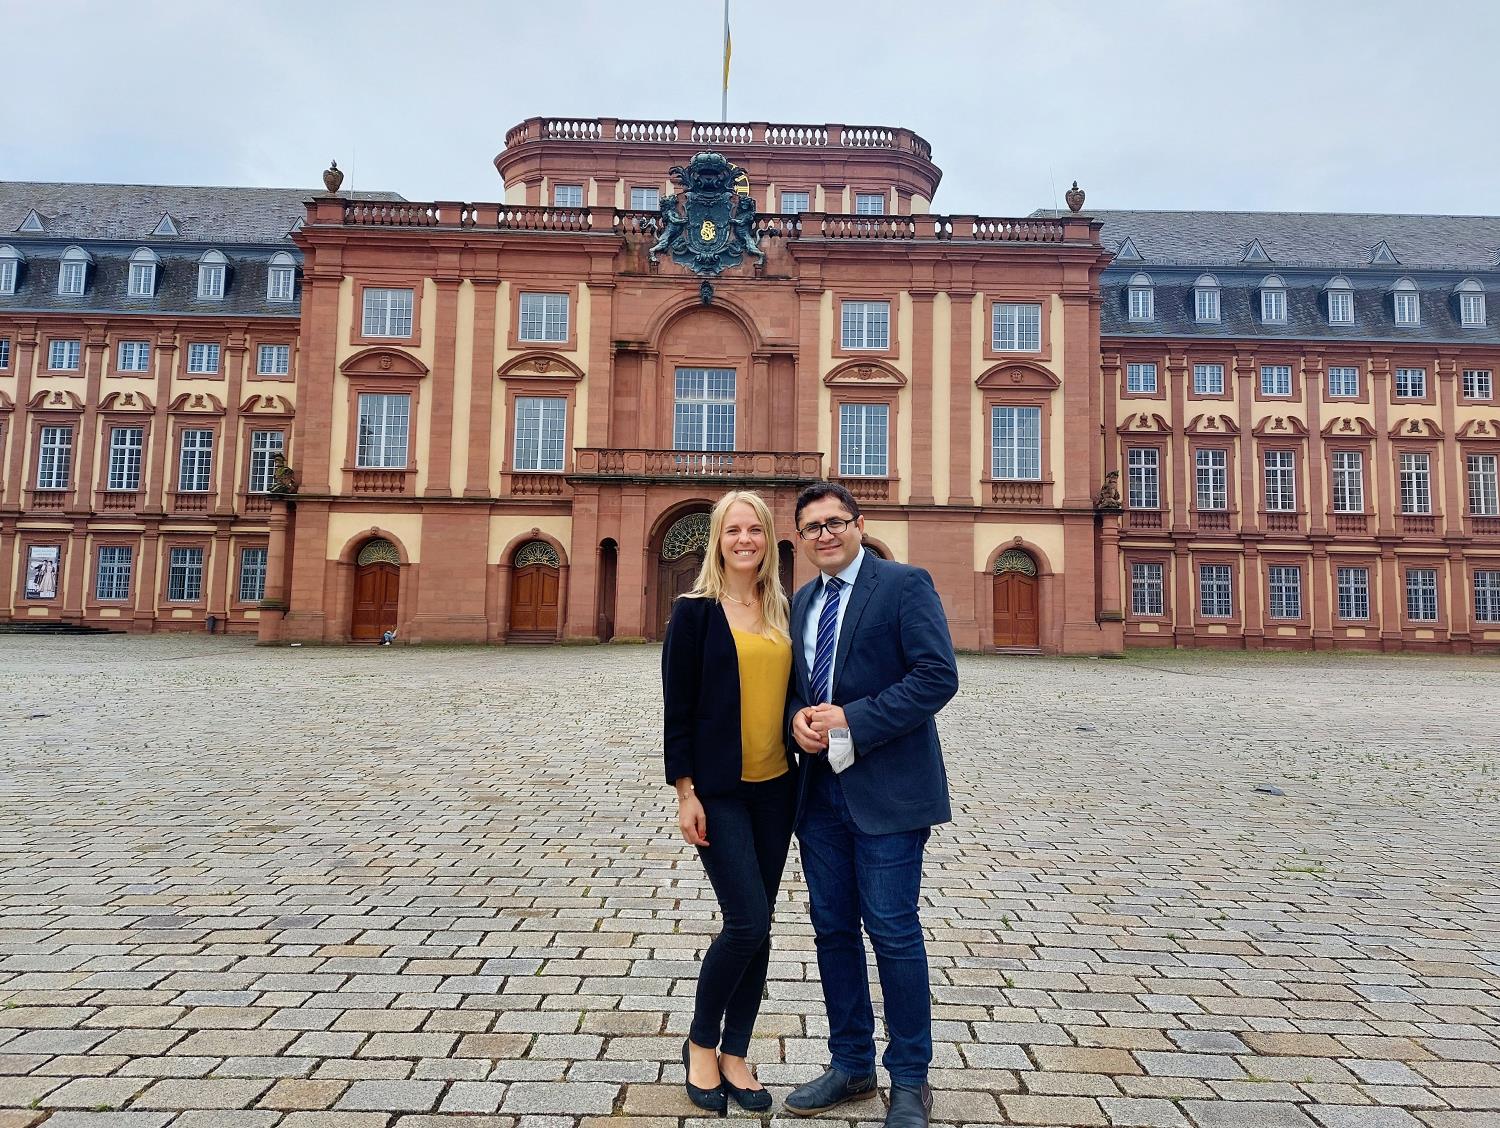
<point x="834" y="525"/>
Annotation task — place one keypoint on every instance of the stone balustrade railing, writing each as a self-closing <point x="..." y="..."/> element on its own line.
<point x="722" y="134"/>
<point x="618" y="462"/>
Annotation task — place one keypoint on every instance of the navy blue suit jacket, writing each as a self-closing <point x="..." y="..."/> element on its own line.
<point x="892" y="672"/>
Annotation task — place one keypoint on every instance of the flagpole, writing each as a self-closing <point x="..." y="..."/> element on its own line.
<point x="724" y="95"/>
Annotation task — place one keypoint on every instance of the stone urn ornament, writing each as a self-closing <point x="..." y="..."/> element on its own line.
<point x="333" y="176"/>
<point x="1073" y="195"/>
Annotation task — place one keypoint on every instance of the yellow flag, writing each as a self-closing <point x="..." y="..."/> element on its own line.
<point x="727" y="48"/>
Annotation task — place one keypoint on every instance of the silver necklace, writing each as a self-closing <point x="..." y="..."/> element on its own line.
<point x="742" y="602"/>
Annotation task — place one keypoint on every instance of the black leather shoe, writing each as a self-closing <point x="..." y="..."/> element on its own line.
<point x="710" y="1100"/>
<point x="751" y="1100"/>
<point x="827" y="1092"/>
<point x="909" y="1108"/>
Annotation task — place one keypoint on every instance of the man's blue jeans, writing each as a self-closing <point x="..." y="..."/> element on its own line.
<point x="874" y="879"/>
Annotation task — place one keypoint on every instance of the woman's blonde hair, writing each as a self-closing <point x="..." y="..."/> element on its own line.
<point x="774" y="614"/>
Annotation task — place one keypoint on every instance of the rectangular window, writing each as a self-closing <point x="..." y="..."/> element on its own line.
<point x="869" y="203"/>
<point x="134" y="356"/>
<point x="1471" y="310"/>
<point x="1142" y="303"/>
<point x="7" y="276"/>
<point x="252" y="575"/>
<point x="1411" y="383"/>
<point x="1144" y="466"/>
<point x="203" y="358"/>
<point x="264" y="447"/>
<point x="63" y="356"/>
<point x="1479" y="383"/>
<point x="1343" y="382"/>
<point x="1273" y="306"/>
<point x="540" y="427"/>
<point x="865" y="325"/>
<point x="794" y="203"/>
<point x="185" y="575"/>
<point x="1341" y="307"/>
<point x="211" y="280"/>
<point x="1487" y="596"/>
<point x="142" y="279"/>
<point x="544" y="317"/>
<point x="567" y="195"/>
<point x="1213" y="479"/>
<point x="1215" y="596"/>
<point x="1140" y="378"/>
<point x="112" y="575"/>
<point x="4" y="353"/>
<point x="383" y="423"/>
<point x="1275" y="379"/>
<point x="1206" y="304"/>
<point x="1354" y="593"/>
<point x="125" y="445"/>
<point x="1407" y="310"/>
<point x="645" y="199"/>
<point x="1147" y="596"/>
<point x="1281" y="481"/>
<point x="703" y="412"/>
<point x="1416" y="484"/>
<point x="1483" y="499"/>
<point x="281" y="283"/>
<point x="1285" y="588"/>
<point x="1421" y="595"/>
<point x="1016" y="443"/>
<point x="54" y="464"/>
<point x="196" y="462"/>
<point x="1016" y="327"/>
<point x="387" y="313"/>
<point x="70" y="278"/>
<point x="273" y="360"/>
<point x="1208" y="379"/>
<point x="863" y="439"/>
<point x="1348" y="481"/>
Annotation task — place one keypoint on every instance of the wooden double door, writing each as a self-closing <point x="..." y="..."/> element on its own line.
<point x="377" y="597"/>
<point x="1017" y="615"/>
<point x="534" y="603"/>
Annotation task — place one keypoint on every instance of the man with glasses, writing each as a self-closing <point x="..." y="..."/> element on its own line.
<point x="872" y="666"/>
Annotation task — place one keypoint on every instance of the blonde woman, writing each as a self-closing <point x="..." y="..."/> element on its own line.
<point x="725" y="672"/>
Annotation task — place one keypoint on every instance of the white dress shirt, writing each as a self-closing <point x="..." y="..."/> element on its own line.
<point x="815" y="612"/>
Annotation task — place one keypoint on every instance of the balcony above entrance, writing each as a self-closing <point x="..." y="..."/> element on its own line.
<point x="764" y="467"/>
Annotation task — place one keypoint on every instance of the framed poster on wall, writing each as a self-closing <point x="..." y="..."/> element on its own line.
<point x="41" y="571"/>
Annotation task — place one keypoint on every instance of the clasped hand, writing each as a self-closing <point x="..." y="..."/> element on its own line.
<point x="810" y="726"/>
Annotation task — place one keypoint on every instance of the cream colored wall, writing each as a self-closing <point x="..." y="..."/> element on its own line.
<point x="920" y="205"/>
<point x="979" y="435"/>
<point x="345" y="527"/>
<point x="827" y="327"/>
<point x="464" y="377"/>
<point x="979" y="431"/>
<point x="502" y="353"/>
<point x="942" y="398"/>
<point x="515" y="193"/>
<point x="581" y="358"/>
<point x="1044" y="534"/>
<point x="892" y="534"/>
<point x="504" y="529"/>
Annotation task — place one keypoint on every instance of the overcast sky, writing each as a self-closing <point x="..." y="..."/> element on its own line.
<point x="1318" y="105"/>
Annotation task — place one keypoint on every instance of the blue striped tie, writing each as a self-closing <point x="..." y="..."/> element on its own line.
<point x="828" y="629"/>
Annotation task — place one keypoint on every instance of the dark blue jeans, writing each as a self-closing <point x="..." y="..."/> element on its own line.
<point x="874" y="879"/>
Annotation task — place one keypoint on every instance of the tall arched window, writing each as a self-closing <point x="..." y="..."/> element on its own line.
<point x="1272" y="300"/>
<point x="1206" y="298"/>
<point x="10" y="268"/>
<point x="1471" y="311"/>
<point x="72" y="276"/>
<point x="212" y="269"/>
<point x="1141" y="298"/>
<point x="281" y="278"/>
<point x="1340" y="296"/>
<point x="143" y="264"/>
<point x="1405" y="303"/>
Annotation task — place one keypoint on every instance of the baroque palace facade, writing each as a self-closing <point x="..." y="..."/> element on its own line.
<point x="507" y="421"/>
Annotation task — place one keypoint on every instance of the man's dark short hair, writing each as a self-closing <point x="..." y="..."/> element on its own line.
<point x="817" y="492"/>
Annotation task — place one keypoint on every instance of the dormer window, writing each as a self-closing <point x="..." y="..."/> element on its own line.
<point x="1471" y="311"/>
<point x="73" y="275"/>
<point x="143" y="273"/>
<point x="212" y="267"/>
<point x="1404" y="296"/>
<point x="1340" y="301"/>
<point x="281" y="279"/>
<point x="1206" y="298"/>
<point x="1142" y="298"/>
<point x="1273" y="300"/>
<point x="10" y="269"/>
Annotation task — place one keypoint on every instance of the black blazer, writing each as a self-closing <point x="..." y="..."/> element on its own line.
<point x="700" y="680"/>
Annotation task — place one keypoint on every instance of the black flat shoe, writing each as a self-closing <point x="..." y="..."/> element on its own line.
<point x="751" y="1100"/>
<point x="827" y="1092"/>
<point x="710" y="1100"/>
<point x="909" y="1108"/>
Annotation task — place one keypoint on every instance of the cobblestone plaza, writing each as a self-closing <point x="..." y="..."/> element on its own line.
<point x="403" y="888"/>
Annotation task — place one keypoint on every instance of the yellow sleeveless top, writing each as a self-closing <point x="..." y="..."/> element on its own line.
<point x="765" y="667"/>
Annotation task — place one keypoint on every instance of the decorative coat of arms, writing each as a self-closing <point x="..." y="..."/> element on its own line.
<point x="710" y="225"/>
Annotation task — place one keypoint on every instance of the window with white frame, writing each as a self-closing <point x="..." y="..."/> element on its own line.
<point x="1140" y="378"/>
<point x="387" y="313"/>
<point x="869" y="203"/>
<point x="1284" y="586"/>
<point x="1343" y="381"/>
<point x="567" y="195"/>
<point x="212" y="269"/>
<point x="384" y="421"/>
<point x="544" y="317"/>
<point x="133" y="356"/>
<point x="1208" y="379"/>
<point x="864" y="439"/>
<point x="1212" y="479"/>
<point x="1140" y="298"/>
<point x="1340" y="305"/>
<point x="1281" y="481"/>
<point x="1273" y="302"/>
<point x="4" y="353"/>
<point x="203" y="357"/>
<point x="54" y="463"/>
<point x="252" y="574"/>
<point x="185" y="575"/>
<point x="1206" y="298"/>
<point x="1354" y="593"/>
<point x="1143" y="469"/>
<point x="112" y="573"/>
<point x="72" y="275"/>
<point x="273" y="360"/>
<point x="125" y="446"/>
<point x="281" y="278"/>
<point x="645" y="199"/>
<point x="1411" y="383"/>
<point x="703" y="411"/>
<point x="142" y="281"/>
<point x="1016" y="443"/>
<point x="1016" y="327"/>
<point x="10" y="268"/>
<point x="1421" y="595"/>
<point x="865" y="325"/>
<point x="1484" y="501"/>
<point x="1407" y="309"/>
<point x="1486" y="595"/>
<point x="1348" y="481"/>
<point x="264" y="447"/>
<point x="64" y="355"/>
<point x="1416" y="483"/>
<point x="541" y="424"/>
<point x="1471" y="312"/>
<point x="1147" y="592"/>
<point x="195" y="463"/>
<point x="1479" y="383"/>
<point x="1215" y="591"/>
<point x="1275" y="379"/>
<point x="794" y="203"/>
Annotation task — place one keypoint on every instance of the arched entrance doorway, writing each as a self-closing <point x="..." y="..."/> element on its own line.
<point x="785" y="558"/>
<point x="609" y="563"/>
<point x="681" y="555"/>
<point x="377" y="590"/>
<point x="533" y="593"/>
<point x="1017" y="615"/>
